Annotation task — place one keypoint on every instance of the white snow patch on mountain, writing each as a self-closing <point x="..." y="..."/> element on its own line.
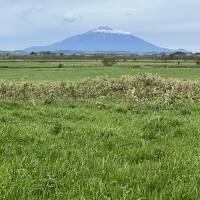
<point x="106" y="29"/>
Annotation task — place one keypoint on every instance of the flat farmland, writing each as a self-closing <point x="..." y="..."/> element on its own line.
<point x="98" y="135"/>
<point x="55" y="71"/>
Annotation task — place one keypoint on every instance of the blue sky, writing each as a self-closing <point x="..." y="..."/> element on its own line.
<point x="171" y="24"/>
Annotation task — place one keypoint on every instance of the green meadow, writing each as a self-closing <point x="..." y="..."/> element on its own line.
<point x="89" y="149"/>
<point x="49" y="71"/>
<point x="89" y="146"/>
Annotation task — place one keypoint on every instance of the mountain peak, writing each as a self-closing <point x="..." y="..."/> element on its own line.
<point x="107" y="29"/>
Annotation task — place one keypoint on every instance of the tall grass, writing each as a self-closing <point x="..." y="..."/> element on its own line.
<point x="99" y="150"/>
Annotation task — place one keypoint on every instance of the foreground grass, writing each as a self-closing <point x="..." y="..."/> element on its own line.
<point x="99" y="150"/>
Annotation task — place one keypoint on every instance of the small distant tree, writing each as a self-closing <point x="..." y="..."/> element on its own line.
<point x="109" y="61"/>
<point x="177" y="55"/>
<point x="196" y="57"/>
<point x="163" y="57"/>
<point x="33" y="53"/>
<point x="60" y="65"/>
<point x="46" y="53"/>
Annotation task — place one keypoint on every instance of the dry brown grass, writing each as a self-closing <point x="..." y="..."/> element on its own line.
<point x="132" y="88"/>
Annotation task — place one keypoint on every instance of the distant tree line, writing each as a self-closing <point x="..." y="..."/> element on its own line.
<point x="108" y="59"/>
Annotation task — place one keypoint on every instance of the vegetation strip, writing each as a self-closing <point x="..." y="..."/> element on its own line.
<point x="127" y="87"/>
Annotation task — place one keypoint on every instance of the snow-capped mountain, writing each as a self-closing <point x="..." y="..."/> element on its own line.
<point x="106" y="29"/>
<point x="102" y="39"/>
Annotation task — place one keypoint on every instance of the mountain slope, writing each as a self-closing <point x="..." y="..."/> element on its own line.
<point x="102" y="39"/>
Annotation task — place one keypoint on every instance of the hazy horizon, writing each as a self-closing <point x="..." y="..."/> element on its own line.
<point x="29" y="23"/>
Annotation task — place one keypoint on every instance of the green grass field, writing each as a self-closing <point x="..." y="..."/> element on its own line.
<point x="35" y="71"/>
<point x="93" y="148"/>
<point x="99" y="150"/>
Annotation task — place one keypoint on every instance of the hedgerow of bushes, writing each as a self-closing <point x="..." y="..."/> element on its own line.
<point x="132" y="88"/>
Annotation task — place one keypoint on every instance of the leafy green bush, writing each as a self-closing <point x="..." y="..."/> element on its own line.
<point x="109" y="61"/>
<point x="60" y="65"/>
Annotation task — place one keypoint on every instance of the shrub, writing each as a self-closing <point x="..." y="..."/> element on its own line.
<point x="60" y="65"/>
<point x="133" y="88"/>
<point x="109" y="61"/>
